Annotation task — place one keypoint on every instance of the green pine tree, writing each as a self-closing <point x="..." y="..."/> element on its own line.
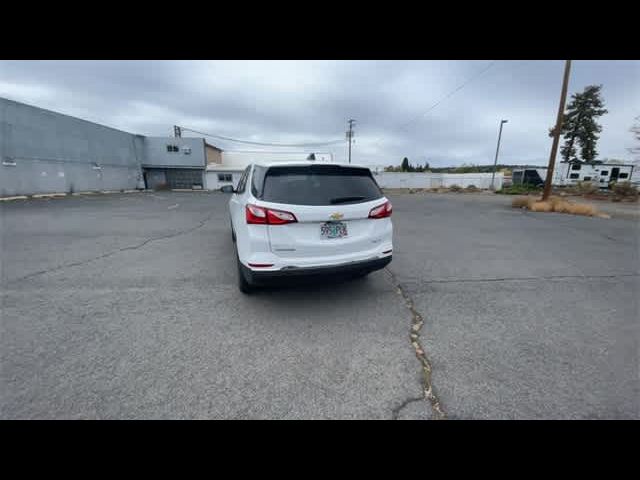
<point x="405" y="164"/>
<point x="579" y="126"/>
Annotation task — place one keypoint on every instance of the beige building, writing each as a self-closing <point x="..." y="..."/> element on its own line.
<point x="213" y="154"/>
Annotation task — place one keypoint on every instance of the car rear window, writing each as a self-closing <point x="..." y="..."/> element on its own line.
<point x="315" y="185"/>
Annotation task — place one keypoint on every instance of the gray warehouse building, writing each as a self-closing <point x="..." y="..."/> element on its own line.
<point x="48" y="152"/>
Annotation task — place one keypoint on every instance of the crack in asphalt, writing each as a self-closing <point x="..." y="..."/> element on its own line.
<point x="511" y="279"/>
<point x="416" y="325"/>
<point x="395" y="413"/>
<point x="113" y="252"/>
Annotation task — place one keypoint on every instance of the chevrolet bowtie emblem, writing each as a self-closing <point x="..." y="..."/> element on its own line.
<point x="336" y="216"/>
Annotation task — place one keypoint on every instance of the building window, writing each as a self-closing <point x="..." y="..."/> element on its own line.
<point x="623" y="175"/>
<point x="587" y="179"/>
<point x="172" y="148"/>
<point x="604" y="173"/>
<point x="225" y="177"/>
<point x="574" y="175"/>
<point x="575" y="166"/>
<point x="602" y="180"/>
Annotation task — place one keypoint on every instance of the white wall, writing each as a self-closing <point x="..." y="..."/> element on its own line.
<point x="435" y="180"/>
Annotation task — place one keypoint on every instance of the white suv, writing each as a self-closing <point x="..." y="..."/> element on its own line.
<point x="307" y="218"/>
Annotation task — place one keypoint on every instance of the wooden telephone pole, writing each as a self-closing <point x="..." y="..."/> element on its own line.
<point x="556" y="131"/>
<point x="350" y="136"/>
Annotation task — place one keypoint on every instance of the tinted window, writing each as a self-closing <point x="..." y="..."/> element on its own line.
<point x="318" y="185"/>
<point x="257" y="181"/>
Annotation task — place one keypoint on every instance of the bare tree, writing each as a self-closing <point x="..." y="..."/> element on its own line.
<point x="635" y="150"/>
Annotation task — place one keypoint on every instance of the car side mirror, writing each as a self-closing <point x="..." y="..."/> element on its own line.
<point x="227" y="189"/>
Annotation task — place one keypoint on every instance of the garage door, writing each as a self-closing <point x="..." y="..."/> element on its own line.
<point x="184" y="178"/>
<point x="161" y="178"/>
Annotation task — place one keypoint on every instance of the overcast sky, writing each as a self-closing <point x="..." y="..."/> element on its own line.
<point x="311" y="101"/>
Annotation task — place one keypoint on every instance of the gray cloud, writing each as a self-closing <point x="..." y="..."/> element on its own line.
<point x="310" y="101"/>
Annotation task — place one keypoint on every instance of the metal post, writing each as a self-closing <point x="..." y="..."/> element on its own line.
<point x="556" y="131"/>
<point x="495" y="161"/>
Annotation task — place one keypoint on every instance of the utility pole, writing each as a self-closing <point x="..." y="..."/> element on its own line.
<point x="556" y="131"/>
<point x="495" y="161"/>
<point x="350" y="136"/>
<point x="177" y="131"/>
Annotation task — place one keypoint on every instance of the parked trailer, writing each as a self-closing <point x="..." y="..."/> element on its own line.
<point x="570" y="173"/>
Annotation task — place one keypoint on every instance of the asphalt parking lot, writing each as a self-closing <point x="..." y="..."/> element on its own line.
<point x="126" y="306"/>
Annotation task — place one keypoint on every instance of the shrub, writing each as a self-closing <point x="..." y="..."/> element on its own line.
<point x="521" y="202"/>
<point x="472" y="188"/>
<point x="625" y="189"/>
<point x="519" y="189"/>
<point x="455" y="188"/>
<point x="556" y="204"/>
<point x="541" y="206"/>
<point x="585" y="188"/>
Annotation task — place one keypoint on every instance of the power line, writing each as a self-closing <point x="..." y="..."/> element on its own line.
<point x="248" y="142"/>
<point x="453" y="92"/>
<point x="450" y="94"/>
<point x="333" y="142"/>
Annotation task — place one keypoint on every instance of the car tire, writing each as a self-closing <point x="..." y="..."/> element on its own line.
<point x="243" y="285"/>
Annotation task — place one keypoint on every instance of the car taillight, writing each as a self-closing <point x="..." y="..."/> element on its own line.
<point x="268" y="216"/>
<point x="381" y="211"/>
<point x="278" y="217"/>
<point x="256" y="214"/>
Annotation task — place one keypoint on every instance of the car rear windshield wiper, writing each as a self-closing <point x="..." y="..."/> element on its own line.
<point x="333" y="201"/>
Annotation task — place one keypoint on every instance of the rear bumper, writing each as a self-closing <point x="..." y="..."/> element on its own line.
<point x="365" y="266"/>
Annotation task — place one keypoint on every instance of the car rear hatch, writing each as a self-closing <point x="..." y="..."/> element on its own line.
<point x="331" y="205"/>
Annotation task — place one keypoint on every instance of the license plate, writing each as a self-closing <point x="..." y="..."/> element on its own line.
<point x="333" y="230"/>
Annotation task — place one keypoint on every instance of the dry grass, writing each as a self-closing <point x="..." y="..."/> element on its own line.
<point x="520" y="202"/>
<point x="625" y="191"/>
<point x="558" y="205"/>
<point x="583" y="188"/>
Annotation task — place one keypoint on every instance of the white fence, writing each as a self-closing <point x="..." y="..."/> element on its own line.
<point x="437" y="180"/>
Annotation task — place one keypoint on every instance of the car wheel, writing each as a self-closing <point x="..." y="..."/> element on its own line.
<point x="243" y="285"/>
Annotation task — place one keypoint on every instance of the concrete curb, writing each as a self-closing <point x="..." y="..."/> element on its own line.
<point x="8" y="199"/>
<point x="63" y="194"/>
<point x="100" y="192"/>
<point x="188" y="190"/>
<point x="49" y="195"/>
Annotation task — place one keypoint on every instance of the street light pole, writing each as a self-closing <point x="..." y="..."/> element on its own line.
<point x="495" y="161"/>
